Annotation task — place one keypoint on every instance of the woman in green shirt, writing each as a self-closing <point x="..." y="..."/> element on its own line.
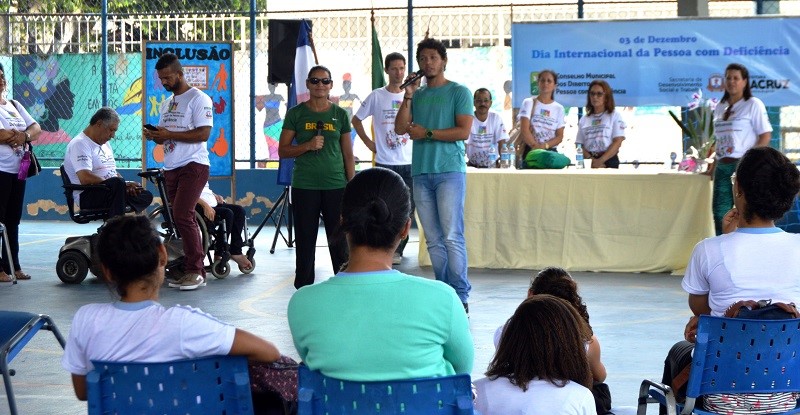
<point x="317" y="134"/>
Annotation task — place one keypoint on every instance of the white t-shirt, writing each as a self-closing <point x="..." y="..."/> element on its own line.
<point x="749" y="264"/>
<point x="596" y="131"/>
<point x="142" y="332"/>
<point x="208" y="196"/>
<point x="484" y="135"/>
<point x="545" y="119"/>
<point x="748" y="119"/>
<point x="84" y="154"/>
<point x="12" y="118"/>
<point x="382" y="106"/>
<point x="500" y="397"/>
<point x="185" y="112"/>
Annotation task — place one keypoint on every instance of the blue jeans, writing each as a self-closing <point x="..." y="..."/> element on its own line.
<point x="404" y="170"/>
<point x="439" y="199"/>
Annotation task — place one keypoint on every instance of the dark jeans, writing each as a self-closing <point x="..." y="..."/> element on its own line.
<point x="679" y="357"/>
<point x="307" y="205"/>
<point x="12" y="193"/>
<point x="116" y="198"/>
<point x="184" y="186"/>
<point x="612" y="163"/>
<point x="233" y="215"/>
<point x="405" y="172"/>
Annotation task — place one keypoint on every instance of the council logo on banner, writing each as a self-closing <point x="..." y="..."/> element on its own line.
<point x="534" y="83"/>
<point x="716" y="83"/>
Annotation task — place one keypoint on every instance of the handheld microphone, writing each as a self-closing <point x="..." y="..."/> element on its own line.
<point x="418" y="74"/>
<point x="320" y="127"/>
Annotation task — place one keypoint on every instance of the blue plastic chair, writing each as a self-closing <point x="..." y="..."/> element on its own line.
<point x="322" y="395"/>
<point x="16" y="330"/>
<point x="209" y="385"/>
<point x="733" y="356"/>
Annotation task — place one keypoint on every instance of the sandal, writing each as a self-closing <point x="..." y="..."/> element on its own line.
<point x="4" y="277"/>
<point x="21" y="275"/>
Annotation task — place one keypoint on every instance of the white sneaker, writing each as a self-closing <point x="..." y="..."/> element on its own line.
<point x="192" y="282"/>
<point x="396" y="258"/>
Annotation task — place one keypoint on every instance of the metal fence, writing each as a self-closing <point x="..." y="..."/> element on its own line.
<point x="57" y="61"/>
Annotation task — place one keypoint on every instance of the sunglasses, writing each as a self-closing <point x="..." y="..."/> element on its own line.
<point x="325" y="81"/>
<point x="597" y="94"/>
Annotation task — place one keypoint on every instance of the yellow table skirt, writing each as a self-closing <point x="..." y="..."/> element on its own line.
<point x="583" y="220"/>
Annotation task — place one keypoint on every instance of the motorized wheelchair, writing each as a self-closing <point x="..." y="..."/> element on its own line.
<point x="78" y="254"/>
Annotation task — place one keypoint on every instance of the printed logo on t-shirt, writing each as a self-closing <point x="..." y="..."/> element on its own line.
<point x="544" y="112"/>
<point x="596" y="121"/>
<point x="394" y="141"/>
<point x="169" y="146"/>
<point x="482" y="129"/>
<point x="173" y="106"/>
<point x="396" y="104"/>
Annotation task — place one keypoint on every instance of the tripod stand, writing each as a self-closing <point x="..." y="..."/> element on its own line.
<point x="281" y="205"/>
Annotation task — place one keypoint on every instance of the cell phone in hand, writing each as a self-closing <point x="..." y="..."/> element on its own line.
<point x="150" y="127"/>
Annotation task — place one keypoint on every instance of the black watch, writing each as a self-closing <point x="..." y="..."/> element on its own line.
<point x="428" y="134"/>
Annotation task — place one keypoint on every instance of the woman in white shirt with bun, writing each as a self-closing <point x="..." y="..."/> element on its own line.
<point x="541" y="118"/>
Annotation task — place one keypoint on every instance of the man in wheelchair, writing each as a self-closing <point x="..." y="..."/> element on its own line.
<point x="214" y="207"/>
<point x="89" y="160"/>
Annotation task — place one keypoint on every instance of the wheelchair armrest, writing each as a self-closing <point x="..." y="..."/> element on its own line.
<point x="150" y="173"/>
<point x="664" y="393"/>
<point x="86" y="187"/>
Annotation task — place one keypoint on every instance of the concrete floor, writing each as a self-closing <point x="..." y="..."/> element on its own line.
<point x="637" y="317"/>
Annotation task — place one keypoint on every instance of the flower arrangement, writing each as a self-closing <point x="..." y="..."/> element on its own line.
<point x="699" y="128"/>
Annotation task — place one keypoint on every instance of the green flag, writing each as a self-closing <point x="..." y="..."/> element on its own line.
<point x="378" y="81"/>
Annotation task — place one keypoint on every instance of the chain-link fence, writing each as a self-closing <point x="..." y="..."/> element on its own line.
<point x="57" y="60"/>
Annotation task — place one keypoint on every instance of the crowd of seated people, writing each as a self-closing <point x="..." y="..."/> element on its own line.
<point x="380" y="324"/>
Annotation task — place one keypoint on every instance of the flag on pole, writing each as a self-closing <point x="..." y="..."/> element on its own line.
<point x="303" y="61"/>
<point x="298" y="92"/>
<point x="378" y="80"/>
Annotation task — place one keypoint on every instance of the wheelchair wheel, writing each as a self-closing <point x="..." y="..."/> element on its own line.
<point x="166" y="232"/>
<point x="252" y="266"/>
<point x="72" y="267"/>
<point x="220" y="269"/>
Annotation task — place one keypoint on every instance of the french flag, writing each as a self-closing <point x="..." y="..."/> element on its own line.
<point x="303" y="62"/>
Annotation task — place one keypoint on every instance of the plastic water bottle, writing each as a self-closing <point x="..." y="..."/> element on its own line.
<point x="521" y="161"/>
<point x="492" y="156"/>
<point x="512" y="156"/>
<point x="579" y="156"/>
<point x="505" y="156"/>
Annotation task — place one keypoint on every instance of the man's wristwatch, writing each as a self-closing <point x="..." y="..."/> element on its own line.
<point x="429" y="134"/>
<point x="27" y="136"/>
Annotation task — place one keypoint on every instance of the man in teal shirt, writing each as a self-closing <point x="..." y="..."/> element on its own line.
<point x="438" y="117"/>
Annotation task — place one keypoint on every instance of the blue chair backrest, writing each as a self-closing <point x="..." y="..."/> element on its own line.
<point x="209" y="385"/>
<point x="322" y="395"/>
<point x="745" y="356"/>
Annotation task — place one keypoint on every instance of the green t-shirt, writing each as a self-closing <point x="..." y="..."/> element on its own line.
<point x="381" y="325"/>
<point x="322" y="169"/>
<point x="436" y="109"/>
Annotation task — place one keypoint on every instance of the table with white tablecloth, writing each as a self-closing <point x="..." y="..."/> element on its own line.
<point x="584" y="220"/>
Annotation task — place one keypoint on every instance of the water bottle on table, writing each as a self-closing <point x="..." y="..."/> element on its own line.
<point x="579" y="156"/>
<point x="505" y="156"/>
<point x="492" y="156"/>
<point x="512" y="156"/>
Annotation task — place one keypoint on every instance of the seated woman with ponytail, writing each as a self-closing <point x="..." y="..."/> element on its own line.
<point x="135" y="327"/>
<point x="370" y="322"/>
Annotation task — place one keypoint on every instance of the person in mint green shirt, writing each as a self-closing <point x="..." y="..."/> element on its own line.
<point x="370" y="322"/>
<point x="438" y="117"/>
<point x="317" y="134"/>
